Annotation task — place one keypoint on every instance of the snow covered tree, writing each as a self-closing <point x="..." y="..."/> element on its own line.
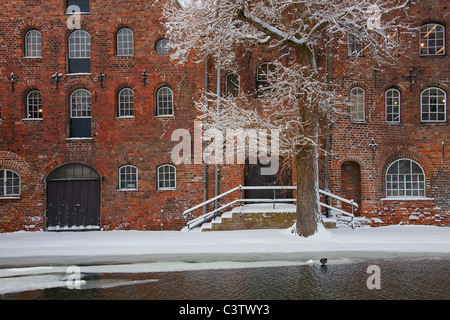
<point x="296" y="94"/>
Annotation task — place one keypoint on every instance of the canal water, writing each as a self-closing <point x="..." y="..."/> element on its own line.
<point x="397" y="279"/>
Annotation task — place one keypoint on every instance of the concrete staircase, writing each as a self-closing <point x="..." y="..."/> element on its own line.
<point x="254" y="216"/>
<point x="263" y="216"/>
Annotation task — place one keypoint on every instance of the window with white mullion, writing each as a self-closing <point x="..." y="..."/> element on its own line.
<point x="33" y="44"/>
<point x="34" y="105"/>
<point x="79" y="45"/>
<point x="433" y="105"/>
<point x="126" y="103"/>
<point x="128" y="178"/>
<point x="432" y="40"/>
<point x="167" y="177"/>
<point x="9" y="183"/>
<point x="164" y="102"/>
<point x="392" y="103"/>
<point x="125" y="42"/>
<point x="81" y="105"/>
<point x="405" y="178"/>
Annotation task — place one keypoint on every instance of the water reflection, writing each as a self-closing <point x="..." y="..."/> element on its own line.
<point x="400" y="279"/>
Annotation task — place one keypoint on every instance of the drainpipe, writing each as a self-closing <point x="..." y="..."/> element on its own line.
<point x="327" y="139"/>
<point x="205" y="167"/>
<point x="216" y="178"/>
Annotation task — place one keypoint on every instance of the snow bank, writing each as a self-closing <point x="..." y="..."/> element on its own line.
<point x="46" y="248"/>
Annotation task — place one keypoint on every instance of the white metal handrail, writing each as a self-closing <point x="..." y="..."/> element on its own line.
<point x="210" y="215"/>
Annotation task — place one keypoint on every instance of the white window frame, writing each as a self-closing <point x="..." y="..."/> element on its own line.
<point x="128" y="174"/>
<point x="164" y="102"/>
<point x="237" y="85"/>
<point x="427" y="46"/>
<point x="33" y="44"/>
<point x="402" y="179"/>
<point x="80" y="45"/>
<point x="82" y="107"/>
<point x="14" y="180"/>
<point x="358" y="107"/>
<point x="34" y="105"/>
<point x="393" y="100"/>
<point x="162" y="46"/>
<point x="355" y="46"/>
<point x="125" y="42"/>
<point x="161" y="170"/>
<point x="441" y="102"/>
<point x="125" y="101"/>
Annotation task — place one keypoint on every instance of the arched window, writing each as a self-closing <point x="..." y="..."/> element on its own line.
<point x="126" y="103"/>
<point x="33" y="44"/>
<point x="9" y="183"/>
<point x="355" y="46"/>
<point x="357" y="107"/>
<point x="232" y="84"/>
<point x="433" y="103"/>
<point x="432" y="40"/>
<point x="34" y="105"/>
<point x="125" y="43"/>
<point x="162" y="46"/>
<point x="265" y="74"/>
<point x="128" y="178"/>
<point x="164" y="102"/>
<point x="392" y="104"/>
<point x="167" y="177"/>
<point x="80" y="52"/>
<point x="80" y="114"/>
<point x="405" y="178"/>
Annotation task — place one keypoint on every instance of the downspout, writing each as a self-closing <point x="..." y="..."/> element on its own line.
<point x="216" y="178"/>
<point x="205" y="166"/>
<point x="327" y="139"/>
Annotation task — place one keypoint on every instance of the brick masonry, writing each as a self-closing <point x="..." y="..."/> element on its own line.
<point x="34" y="148"/>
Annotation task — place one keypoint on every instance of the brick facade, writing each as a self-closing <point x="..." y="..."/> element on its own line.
<point x="35" y="148"/>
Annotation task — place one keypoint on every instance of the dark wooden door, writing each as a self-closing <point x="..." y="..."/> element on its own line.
<point x="73" y="199"/>
<point x="253" y="177"/>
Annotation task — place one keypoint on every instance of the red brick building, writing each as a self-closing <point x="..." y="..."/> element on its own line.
<point x="89" y="103"/>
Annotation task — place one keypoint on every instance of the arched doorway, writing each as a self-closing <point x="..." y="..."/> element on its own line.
<point x="351" y="185"/>
<point x="73" y="199"/>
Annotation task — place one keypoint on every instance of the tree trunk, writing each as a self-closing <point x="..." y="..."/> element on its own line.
<point x="306" y="158"/>
<point x="308" y="207"/>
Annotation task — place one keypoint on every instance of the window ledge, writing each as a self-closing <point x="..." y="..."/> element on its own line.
<point x="79" y="138"/>
<point x="442" y="123"/>
<point x="406" y="199"/>
<point x="128" y="189"/>
<point x="165" y="116"/>
<point x="79" y="74"/>
<point x="392" y="123"/>
<point x="9" y="197"/>
<point x="126" y="117"/>
<point x="358" y="122"/>
<point x="33" y="119"/>
<point x="167" y="189"/>
<point x="75" y="13"/>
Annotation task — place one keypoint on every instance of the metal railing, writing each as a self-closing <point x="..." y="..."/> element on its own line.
<point x="212" y="214"/>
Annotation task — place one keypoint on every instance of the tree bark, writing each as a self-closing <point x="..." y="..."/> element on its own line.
<point x="308" y="207"/>
<point x="306" y="158"/>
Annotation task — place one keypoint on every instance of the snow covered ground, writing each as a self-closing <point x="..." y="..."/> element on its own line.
<point x="95" y="247"/>
<point x="36" y="260"/>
